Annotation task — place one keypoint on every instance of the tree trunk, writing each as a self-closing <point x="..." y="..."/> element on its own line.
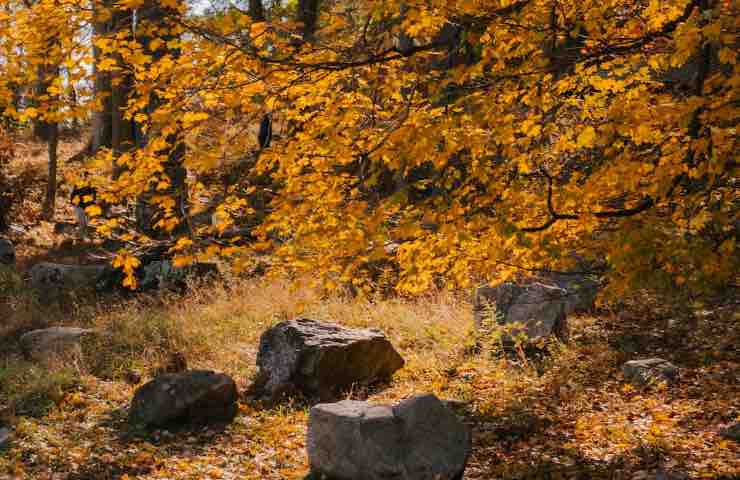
<point x="308" y="15"/>
<point x="122" y="129"/>
<point x="256" y="10"/>
<point x="51" y="185"/>
<point x="102" y="128"/>
<point x="159" y="18"/>
<point x="48" y="132"/>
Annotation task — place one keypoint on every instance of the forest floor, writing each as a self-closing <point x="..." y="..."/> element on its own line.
<point x="569" y="416"/>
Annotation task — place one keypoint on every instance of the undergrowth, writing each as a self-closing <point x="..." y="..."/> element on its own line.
<point x="568" y="414"/>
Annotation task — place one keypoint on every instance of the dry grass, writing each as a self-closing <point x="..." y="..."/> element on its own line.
<point x="570" y="415"/>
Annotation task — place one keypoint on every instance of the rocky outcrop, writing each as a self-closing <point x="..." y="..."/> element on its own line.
<point x="199" y="396"/>
<point x="320" y="359"/>
<point x="649" y="371"/>
<point x="533" y="309"/>
<point x="43" y="343"/>
<point x="416" y="439"/>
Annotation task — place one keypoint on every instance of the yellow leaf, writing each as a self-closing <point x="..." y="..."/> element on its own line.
<point x="587" y="137"/>
<point x="93" y="210"/>
<point x="182" y="261"/>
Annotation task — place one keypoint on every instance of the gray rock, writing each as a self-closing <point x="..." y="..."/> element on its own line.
<point x="7" y="252"/>
<point x="732" y="432"/>
<point x="193" y="396"/>
<point x="5" y="437"/>
<point x="416" y="439"/>
<point x="581" y="291"/>
<point x="161" y="274"/>
<point x="649" y="371"/>
<point x="39" y="344"/>
<point x="321" y="359"/>
<point x="533" y="309"/>
<point x="51" y="279"/>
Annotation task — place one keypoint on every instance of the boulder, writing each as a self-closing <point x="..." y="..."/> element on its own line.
<point x="534" y="309"/>
<point x="581" y="291"/>
<point x="416" y="439"/>
<point x="200" y="396"/>
<point x="7" y="252"/>
<point x="321" y="359"/>
<point x="732" y="432"/>
<point x="39" y="344"/>
<point x="650" y="370"/>
<point x="50" y="279"/>
<point x="5" y="436"/>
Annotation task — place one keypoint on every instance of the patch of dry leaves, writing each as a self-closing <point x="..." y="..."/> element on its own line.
<point x="568" y="416"/>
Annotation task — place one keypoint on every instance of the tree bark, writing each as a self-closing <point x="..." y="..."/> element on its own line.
<point x="48" y="132"/>
<point x="256" y="10"/>
<point x="122" y="129"/>
<point x="308" y="15"/>
<point x="51" y="185"/>
<point x="158" y="17"/>
<point x="102" y="122"/>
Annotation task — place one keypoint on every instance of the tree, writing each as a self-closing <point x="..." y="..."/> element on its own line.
<point x="486" y="139"/>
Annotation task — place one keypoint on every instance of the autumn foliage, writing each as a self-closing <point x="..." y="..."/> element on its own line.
<point x="418" y="143"/>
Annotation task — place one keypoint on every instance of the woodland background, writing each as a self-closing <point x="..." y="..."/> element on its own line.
<point x="418" y="149"/>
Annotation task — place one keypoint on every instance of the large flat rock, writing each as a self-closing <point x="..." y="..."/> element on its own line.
<point x="42" y="343"/>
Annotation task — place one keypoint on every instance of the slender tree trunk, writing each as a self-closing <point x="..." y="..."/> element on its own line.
<point x="48" y="132"/>
<point x="51" y="185"/>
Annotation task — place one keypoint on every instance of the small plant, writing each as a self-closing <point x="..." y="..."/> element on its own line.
<point x="490" y="332"/>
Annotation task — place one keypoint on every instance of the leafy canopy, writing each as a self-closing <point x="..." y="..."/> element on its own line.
<point x="445" y="140"/>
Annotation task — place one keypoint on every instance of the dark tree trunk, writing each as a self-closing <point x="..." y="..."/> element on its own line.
<point x="308" y="15"/>
<point x="102" y="122"/>
<point x="51" y="185"/>
<point x="156" y="17"/>
<point x="256" y="10"/>
<point x="48" y="132"/>
<point x="122" y="129"/>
